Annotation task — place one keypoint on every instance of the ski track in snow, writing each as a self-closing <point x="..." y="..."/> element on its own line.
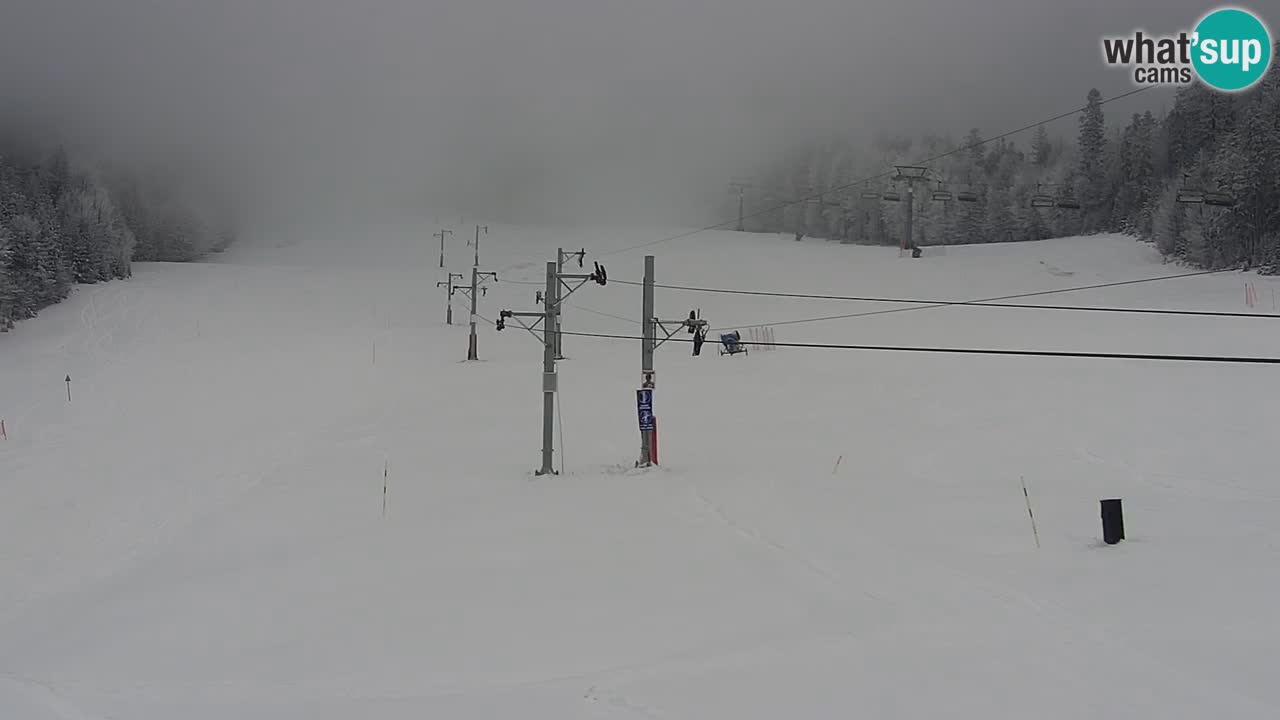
<point x="37" y="701"/>
<point x="757" y="537"/>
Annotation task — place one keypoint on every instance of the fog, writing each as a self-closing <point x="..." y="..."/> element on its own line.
<point x="536" y="110"/>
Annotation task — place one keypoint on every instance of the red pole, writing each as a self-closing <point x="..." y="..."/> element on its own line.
<point x="653" y="450"/>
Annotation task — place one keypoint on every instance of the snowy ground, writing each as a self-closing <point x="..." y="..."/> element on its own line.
<point x="199" y="533"/>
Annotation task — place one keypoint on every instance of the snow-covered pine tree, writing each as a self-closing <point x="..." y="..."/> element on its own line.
<point x="1250" y="158"/>
<point x="8" y="289"/>
<point x="1167" y="223"/>
<point x="1092" y="180"/>
<point x="1041" y="148"/>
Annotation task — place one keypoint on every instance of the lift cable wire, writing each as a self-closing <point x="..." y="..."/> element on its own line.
<point x="846" y="186"/>
<point x="604" y="314"/>
<point x="975" y="351"/>
<point x="992" y="302"/>
<point x="1219" y="359"/>
<point x="983" y="302"/>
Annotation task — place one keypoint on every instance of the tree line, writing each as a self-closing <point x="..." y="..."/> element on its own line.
<point x="1135" y="175"/>
<point x="62" y="225"/>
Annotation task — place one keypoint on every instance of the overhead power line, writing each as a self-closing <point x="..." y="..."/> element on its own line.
<point x="988" y="303"/>
<point x="880" y="176"/>
<point x="929" y="304"/>
<point x="979" y="351"/>
<point x="981" y="302"/>
<point x="1000" y="297"/>
<point x="605" y="314"/>
<point x="978" y="301"/>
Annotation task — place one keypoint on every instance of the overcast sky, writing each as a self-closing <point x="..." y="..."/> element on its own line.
<point x="564" y="104"/>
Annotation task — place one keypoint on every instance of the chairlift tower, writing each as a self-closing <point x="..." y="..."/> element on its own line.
<point x="476" y="263"/>
<point x="441" y="235"/>
<point x="477" y="289"/>
<point x="909" y="175"/>
<point x="912" y="174"/>
<point x="694" y="324"/>
<point x="551" y="298"/>
<point x="450" y="290"/>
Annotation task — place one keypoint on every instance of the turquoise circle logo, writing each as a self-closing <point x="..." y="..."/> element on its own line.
<point x="1232" y="49"/>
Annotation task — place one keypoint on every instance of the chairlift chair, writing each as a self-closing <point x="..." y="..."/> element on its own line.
<point x="1068" y="204"/>
<point x="911" y="172"/>
<point x="1219" y="199"/>
<point x="1189" y="194"/>
<point x="967" y="196"/>
<point x="1042" y="200"/>
<point x="731" y="344"/>
<point x="942" y="196"/>
<point x="891" y="196"/>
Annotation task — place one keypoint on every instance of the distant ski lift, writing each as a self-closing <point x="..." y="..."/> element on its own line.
<point x="1044" y="200"/>
<point x="911" y="172"/>
<point x="1187" y="194"/>
<point x="1041" y="200"/>
<point x="942" y="196"/>
<point x="891" y="196"/>
<point x="1197" y="196"/>
<point x="967" y="196"/>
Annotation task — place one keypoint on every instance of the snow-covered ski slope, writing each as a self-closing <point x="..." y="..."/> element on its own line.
<point x="199" y="533"/>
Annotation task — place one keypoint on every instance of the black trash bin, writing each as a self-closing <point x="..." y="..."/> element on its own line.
<point x="1112" y="521"/>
